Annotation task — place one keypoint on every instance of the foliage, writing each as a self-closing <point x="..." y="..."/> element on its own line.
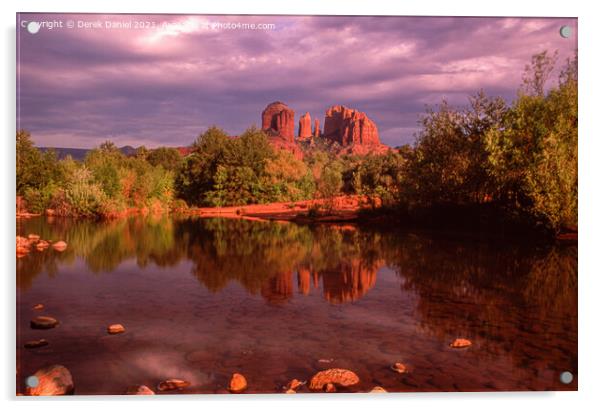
<point x="168" y="158"/>
<point x="533" y="157"/>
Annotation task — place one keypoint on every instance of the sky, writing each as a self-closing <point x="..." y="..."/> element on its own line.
<point x="161" y="80"/>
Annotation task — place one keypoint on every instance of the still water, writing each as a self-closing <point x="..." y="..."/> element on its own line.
<point x="203" y="298"/>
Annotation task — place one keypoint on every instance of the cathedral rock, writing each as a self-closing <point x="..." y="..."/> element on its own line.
<point x="347" y="126"/>
<point x="279" y="120"/>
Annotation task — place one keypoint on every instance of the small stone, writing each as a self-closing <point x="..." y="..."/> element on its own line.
<point x="42" y="245"/>
<point x="36" y="344"/>
<point x="60" y="246"/>
<point x="330" y="388"/>
<point x="290" y="391"/>
<point x="52" y="380"/>
<point x="238" y="383"/>
<point x="38" y="307"/>
<point x="22" y="250"/>
<point x="172" y="384"/>
<point x="336" y="376"/>
<point x="460" y="343"/>
<point x="399" y="367"/>
<point x="115" y="329"/>
<point x="139" y="390"/>
<point x="43" y="322"/>
<point x="325" y="361"/>
<point x="294" y="384"/>
<point x="378" y="389"/>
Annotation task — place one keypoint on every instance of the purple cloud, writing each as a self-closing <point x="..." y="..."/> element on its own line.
<point x="165" y="85"/>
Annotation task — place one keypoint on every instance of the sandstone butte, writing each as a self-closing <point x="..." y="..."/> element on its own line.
<point x="349" y="126"/>
<point x="277" y="119"/>
<point x="353" y="130"/>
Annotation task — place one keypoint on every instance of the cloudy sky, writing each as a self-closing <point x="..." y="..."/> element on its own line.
<point x="165" y="79"/>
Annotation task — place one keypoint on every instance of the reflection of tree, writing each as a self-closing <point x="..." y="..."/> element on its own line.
<point x="506" y="298"/>
<point x="102" y="245"/>
<point x="264" y="258"/>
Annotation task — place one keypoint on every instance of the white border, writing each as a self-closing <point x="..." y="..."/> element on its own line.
<point x="590" y="136"/>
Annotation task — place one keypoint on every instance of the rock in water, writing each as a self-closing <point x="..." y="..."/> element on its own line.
<point x="60" y="246"/>
<point x="115" y="329"/>
<point x="336" y="377"/>
<point x="36" y="344"/>
<point x="139" y="390"/>
<point x="43" y="322"/>
<point x="42" y="245"/>
<point x="172" y="384"/>
<point x="399" y="367"/>
<point x="294" y="384"/>
<point x="238" y="383"/>
<point x="460" y="343"/>
<point x="52" y="380"/>
<point x="305" y="127"/>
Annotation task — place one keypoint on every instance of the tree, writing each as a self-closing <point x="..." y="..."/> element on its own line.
<point x="533" y="157"/>
<point x="168" y="158"/>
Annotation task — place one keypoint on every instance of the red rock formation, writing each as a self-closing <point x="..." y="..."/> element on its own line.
<point x="305" y="127"/>
<point x="348" y="126"/>
<point x="316" y="128"/>
<point x="277" y="119"/>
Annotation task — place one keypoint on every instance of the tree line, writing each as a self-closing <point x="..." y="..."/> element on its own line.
<point x="519" y="158"/>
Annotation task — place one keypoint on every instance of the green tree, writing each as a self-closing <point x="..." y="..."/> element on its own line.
<point x="168" y="158"/>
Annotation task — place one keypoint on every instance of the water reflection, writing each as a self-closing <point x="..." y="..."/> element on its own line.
<point x="405" y="295"/>
<point x="270" y="258"/>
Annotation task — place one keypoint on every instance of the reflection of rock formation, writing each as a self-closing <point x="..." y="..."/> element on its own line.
<point x="351" y="281"/>
<point x="278" y="289"/>
<point x="347" y="282"/>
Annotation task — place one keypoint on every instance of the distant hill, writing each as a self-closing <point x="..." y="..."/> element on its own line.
<point x="80" y="153"/>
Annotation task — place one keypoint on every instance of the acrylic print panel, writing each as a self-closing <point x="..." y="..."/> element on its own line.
<point x="295" y="204"/>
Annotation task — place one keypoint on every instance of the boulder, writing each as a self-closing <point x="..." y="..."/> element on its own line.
<point x="172" y="384"/>
<point x="238" y="383"/>
<point x="305" y="127"/>
<point x="333" y="377"/>
<point x="378" y="389"/>
<point x="115" y="329"/>
<point x="43" y="322"/>
<point x="52" y="380"/>
<point x="139" y="390"/>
